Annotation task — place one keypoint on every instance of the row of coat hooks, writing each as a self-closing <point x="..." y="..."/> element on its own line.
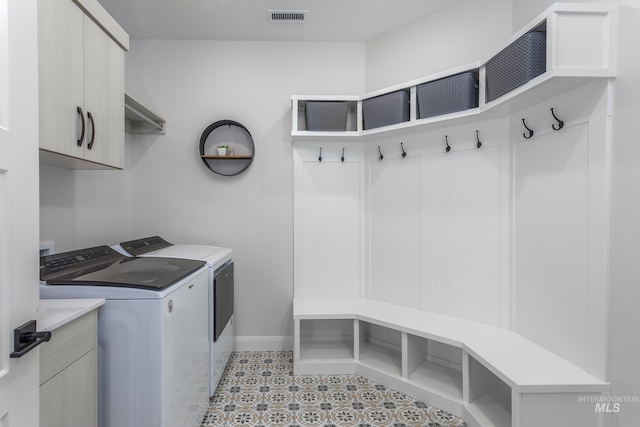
<point x="529" y="132"/>
<point x="404" y="153"/>
<point x="341" y="158"/>
<point x="527" y="135"/>
<point x="446" y="141"/>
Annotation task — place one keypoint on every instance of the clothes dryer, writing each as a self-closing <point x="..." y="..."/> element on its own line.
<point x="221" y="292"/>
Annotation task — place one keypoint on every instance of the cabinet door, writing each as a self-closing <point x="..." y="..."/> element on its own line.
<point x="60" y="41"/>
<point x="70" y="398"/>
<point x="103" y="96"/>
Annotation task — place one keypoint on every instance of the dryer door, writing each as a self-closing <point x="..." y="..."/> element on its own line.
<point x="222" y="300"/>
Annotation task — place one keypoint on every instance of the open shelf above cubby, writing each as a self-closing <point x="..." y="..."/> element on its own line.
<point x="566" y="28"/>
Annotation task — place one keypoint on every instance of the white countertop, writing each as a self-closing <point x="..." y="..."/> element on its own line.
<point x="53" y="313"/>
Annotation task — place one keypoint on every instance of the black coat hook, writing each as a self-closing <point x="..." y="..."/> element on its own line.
<point x="403" y="152"/>
<point x="446" y="141"/>
<point x="478" y="144"/>
<point x="320" y="158"/>
<point x="380" y="157"/>
<point x="530" y="131"/>
<point x="560" y="122"/>
<point x="342" y="158"/>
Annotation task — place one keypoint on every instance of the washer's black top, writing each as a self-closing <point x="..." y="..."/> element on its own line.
<point x="103" y="266"/>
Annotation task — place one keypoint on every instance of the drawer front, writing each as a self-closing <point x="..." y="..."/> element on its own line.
<point x="68" y="344"/>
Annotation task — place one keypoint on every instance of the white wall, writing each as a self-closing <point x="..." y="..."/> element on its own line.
<point x="464" y="33"/>
<point x="195" y="83"/>
<point x="624" y="293"/>
<point x="435" y="234"/>
<point x="80" y="209"/>
<point x="560" y="227"/>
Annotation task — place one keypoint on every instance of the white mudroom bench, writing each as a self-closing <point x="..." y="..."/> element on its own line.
<point x="487" y="375"/>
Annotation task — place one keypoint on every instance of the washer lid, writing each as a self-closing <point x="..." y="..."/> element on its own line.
<point x="110" y="268"/>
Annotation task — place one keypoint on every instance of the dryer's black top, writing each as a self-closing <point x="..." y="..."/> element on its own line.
<point x="103" y="266"/>
<point x="144" y="245"/>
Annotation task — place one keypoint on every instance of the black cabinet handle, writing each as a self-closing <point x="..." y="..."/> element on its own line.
<point x="82" y="134"/>
<point x="93" y="131"/>
<point x="25" y="339"/>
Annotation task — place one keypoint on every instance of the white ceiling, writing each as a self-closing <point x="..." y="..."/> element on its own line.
<point x="327" y="20"/>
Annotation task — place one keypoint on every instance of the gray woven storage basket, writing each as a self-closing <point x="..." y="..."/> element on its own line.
<point x="385" y="110"/>
<point x="448" y="95"/>
<point x="326" y="115"/>
<point x="523" y="60"/>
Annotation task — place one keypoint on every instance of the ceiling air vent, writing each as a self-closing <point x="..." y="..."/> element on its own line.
<point x="287" y="16"/>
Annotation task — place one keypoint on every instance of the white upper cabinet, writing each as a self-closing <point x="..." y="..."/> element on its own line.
<point x="81" y="77"/>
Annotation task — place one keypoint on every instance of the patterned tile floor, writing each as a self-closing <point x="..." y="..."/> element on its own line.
<point x="259" y="389"/>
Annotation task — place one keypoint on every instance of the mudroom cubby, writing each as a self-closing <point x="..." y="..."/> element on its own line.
<point x="300" y="115"/>
<point x="434" y="365"/>
<point x="380" y="348"/>
<point x="327" y="339"/>
<point x="489" y="397"/>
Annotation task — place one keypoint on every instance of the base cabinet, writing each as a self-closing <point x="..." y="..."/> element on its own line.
<point x="69" y="398"/>
<point x="69" y="375"/>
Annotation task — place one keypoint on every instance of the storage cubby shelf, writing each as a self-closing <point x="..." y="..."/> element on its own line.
<point x="566" y="33"/>
<point x="326" y="350"/>
<point x="445" y="380"/>
<point x="523" y="365"/>
<point x="381" y="358"/>
<point x="488" y="411"/>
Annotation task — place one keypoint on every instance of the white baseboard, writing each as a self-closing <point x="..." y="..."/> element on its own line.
<point x="263" y="343"/>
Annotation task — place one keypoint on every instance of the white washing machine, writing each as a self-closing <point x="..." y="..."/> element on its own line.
<point x="221" y="292"/>
<point x="153" y="338"/>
